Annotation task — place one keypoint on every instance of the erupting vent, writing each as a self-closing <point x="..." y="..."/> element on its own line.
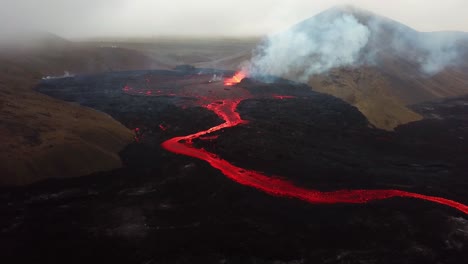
<point x="237" y="78"/>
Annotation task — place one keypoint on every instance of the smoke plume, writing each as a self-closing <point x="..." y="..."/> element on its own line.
<point x="312" y="47"/>
<point x="442" y="50"/>
<point x="349" y="37"/>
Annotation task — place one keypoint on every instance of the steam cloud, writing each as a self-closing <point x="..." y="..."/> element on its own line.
<point x="336" y="39"/>
<point x="310" y="48"/>
<point x="442" y="51"/>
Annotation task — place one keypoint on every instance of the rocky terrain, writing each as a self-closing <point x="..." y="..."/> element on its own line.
<point x="45" y="137"/>
<point x="167" y="208"/>
<point x="382" y="91"/>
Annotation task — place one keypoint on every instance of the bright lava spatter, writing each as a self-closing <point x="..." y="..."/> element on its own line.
<point x="274" y="185"/>
<point x="237" y="78"/>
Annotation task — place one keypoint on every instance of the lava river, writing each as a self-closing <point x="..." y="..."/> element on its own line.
<point x="224" y="103"/>
<point x="226" y="109"/>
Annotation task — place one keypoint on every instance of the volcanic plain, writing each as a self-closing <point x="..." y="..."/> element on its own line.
<point x="166" y="207"/>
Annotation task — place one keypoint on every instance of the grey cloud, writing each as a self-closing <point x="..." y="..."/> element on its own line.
<point x="127" y="18"/>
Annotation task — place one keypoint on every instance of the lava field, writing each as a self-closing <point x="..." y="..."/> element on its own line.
<point x="235" y="170"/>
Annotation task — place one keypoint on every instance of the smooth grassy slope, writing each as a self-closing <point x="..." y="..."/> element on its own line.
<point x="370" y="92"/>
<point x="43" y="137"/>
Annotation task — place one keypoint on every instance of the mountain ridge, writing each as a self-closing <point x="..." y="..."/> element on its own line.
<point x="408" y="66"/>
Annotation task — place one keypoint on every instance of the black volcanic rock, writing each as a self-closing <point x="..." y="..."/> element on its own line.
<point x="167" y="208"/>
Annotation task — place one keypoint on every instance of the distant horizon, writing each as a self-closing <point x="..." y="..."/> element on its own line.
<point x="108" y="19"/>
<point x="162" y="38"/>
<point x="168" y="37"/>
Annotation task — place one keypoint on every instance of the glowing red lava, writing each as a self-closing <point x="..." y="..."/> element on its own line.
<point x="137" y="135"/>
<point x="209" y="137"/>
<point x="226" y="109"/>
<point x="274" y="185"/>
<point x="281" y="97"/>
<point x="237" y="78"/>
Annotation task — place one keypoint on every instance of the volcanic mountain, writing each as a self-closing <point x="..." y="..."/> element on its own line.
<point x="376" y="64"/>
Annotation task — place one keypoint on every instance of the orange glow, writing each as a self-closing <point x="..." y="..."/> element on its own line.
<point x="237" y="78"/>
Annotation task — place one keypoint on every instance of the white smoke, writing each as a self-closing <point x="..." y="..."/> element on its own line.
<point x="434" y="51"/>
<point x="66" y="74"/>
<point x="442" y="51"/>
<point x="216" y="78"/>
<point x="311" y="48"/>
<point x="337" y="38"/>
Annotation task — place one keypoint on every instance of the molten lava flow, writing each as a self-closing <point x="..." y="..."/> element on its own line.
<point x="281" y="97"/>
<point x="237" y="78"/>
<point x="274" y="185"/>
<point x="226" y="109"/>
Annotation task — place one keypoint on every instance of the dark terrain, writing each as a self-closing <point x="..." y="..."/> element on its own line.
<point x="167" y="208"/>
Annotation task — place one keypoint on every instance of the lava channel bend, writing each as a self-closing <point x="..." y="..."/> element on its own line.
<point x="275" y="185"/>
<point x="226" y="110"/>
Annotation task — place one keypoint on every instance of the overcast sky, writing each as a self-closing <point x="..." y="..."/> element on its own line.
<point x="145" y="18"/>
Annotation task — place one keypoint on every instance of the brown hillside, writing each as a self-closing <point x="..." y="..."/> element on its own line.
<point x="369" y="91"/>
<point x="388" y="74"/>
<point x="44" y="137"/>
<point x="411" y="86"/>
